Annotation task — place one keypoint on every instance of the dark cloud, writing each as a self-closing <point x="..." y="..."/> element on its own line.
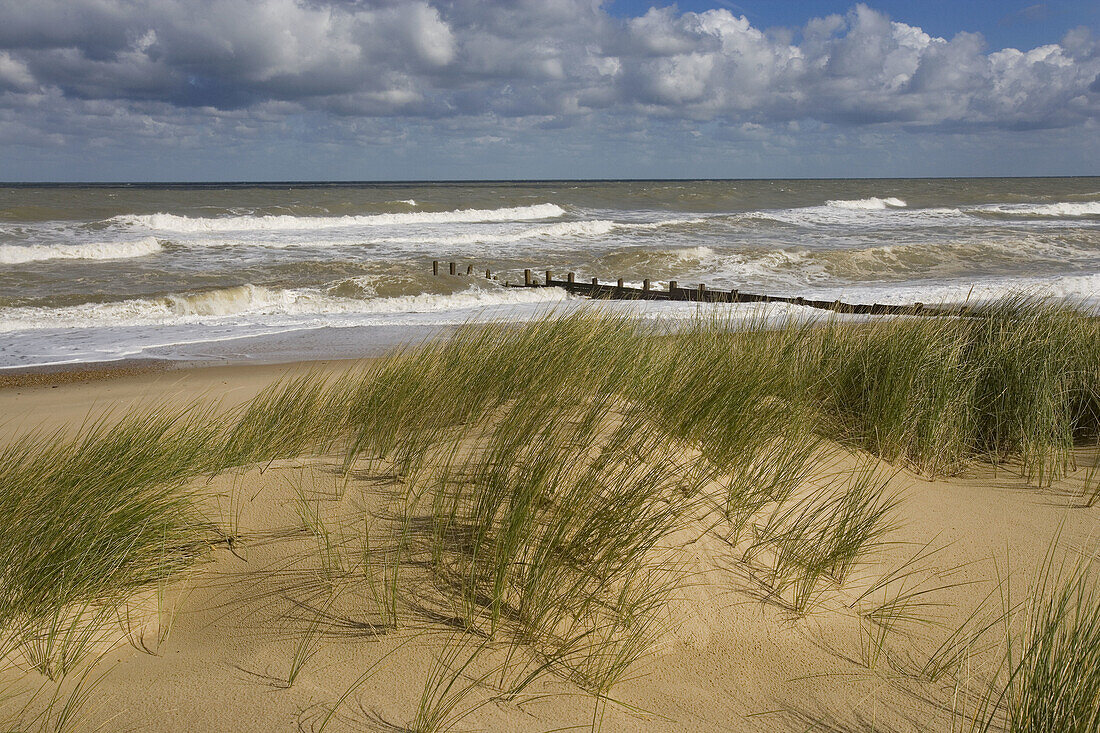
<point x="554" y="63"/>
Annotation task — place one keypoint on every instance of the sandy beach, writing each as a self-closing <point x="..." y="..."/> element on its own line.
<point x="62" y="398"/>
<point x="212" y="648"/>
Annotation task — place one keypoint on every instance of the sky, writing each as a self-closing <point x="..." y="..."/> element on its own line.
<point x="251" y="90"/>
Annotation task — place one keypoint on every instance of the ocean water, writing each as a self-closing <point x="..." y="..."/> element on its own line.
<point x="286" y="271"/>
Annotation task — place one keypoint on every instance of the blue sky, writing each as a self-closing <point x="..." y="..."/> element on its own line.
<point x="474" y="89"/>
<point x="1003" y="23"/>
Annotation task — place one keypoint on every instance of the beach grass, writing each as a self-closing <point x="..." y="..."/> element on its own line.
<point x="1054" y="677"/>
<point x="88" y="520"/>
<point x="822" y="535"/>
<point x="541" y="471"/>
<point x="1044" y="651"/>
<point x="449" y="683"/>
<point x="1014" y="382"/>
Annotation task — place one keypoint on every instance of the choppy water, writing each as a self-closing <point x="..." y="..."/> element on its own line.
<point x="91" y="273"/>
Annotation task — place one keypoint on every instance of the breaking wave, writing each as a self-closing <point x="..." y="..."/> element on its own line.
<point x="14" y="254"/>
<point x="873" y="213"/>
<point x="251" y="301"/>
<point x="640" y="262"/>
<point x="872" y="204"/>
<point x="572" y="229"/>
<point x="567" y="229"/>
<point x="1062" y="209"/>
<point x="187" y="224"/>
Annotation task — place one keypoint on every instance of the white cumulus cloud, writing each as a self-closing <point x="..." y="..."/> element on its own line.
<point x="78" y="67"/>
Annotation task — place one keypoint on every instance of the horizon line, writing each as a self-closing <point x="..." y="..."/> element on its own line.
<point x="423" y="181"/>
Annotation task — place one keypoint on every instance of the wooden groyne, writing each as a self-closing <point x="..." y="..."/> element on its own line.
<point x="700" y="293"/>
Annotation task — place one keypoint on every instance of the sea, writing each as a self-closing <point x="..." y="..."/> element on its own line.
<point x="216" y="273"/>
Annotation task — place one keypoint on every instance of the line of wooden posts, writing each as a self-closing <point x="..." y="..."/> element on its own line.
<point x="702" y="294"/>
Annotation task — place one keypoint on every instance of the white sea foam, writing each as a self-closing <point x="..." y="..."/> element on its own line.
<point x="1081" y="289"/>
<point x="565" y="229"/>
<point x="860" y="217"/>
<point x="13" y="254"/>
<point x="873" y="203"/>
<point x="188" y="224"/>
<point x="776" y="265"/>
<point x="254" y="304"/>
<point x="588" y="229"/>
<point x="1062" y="209"/>
<point x="283" y="240"/>
<point x="594" y="228"/>
<point x="700" y="252"/>
<point x="577" y="229"/>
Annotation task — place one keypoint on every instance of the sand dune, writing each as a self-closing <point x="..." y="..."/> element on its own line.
<point x="298" y="571"/>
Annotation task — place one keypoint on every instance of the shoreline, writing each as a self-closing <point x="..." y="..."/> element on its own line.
<point x="37" y="376"/>
<point x="67" y="400"/>
<point x="287" y="350"/>
<point x="88" y="372"/>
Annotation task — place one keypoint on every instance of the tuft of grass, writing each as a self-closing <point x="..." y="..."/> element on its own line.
<point x="61" y="643"/>
<point x="448" y="684"/>
<point x="88" y="520"/>
<point x="306" y="645"/>
<point x="1090" y="487"/>
<point x="381" y="574"/>
<point x="60" y="712"/>
<point x="1015" y="380"/>
<point x="547" y="527"/>
<point x="304" y="414"/>
<point x="902" y="599"/>
<point x="1050" y="665"/>
<point x="824" y="534"/>
<point x="901" y="390"/>
<point x="768" y="477"/>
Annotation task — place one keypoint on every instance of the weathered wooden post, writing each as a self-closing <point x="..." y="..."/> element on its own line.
<point x="702" y="292"/>
<point x="645" y="285"/>
<point x="619" y="284"/>
<point x="547" y="277"/>
<point x="488" y="275"/>
<point x="672" y="290"/>
<point x="595" y="281"/>
<point x="435" y="267"/>
<point x="469" y="269"/>
<point x="526" y="278"/>
<point x="735" y="296"/>
<point x="453" y="268"/>
<point x="571" y="277"/>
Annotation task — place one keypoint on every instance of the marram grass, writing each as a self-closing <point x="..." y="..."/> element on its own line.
<point x="1045" y="674"/>
<point x="1016" y="382"/>
<point x="89" y="520"/>
<point x="545" y="465"/>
